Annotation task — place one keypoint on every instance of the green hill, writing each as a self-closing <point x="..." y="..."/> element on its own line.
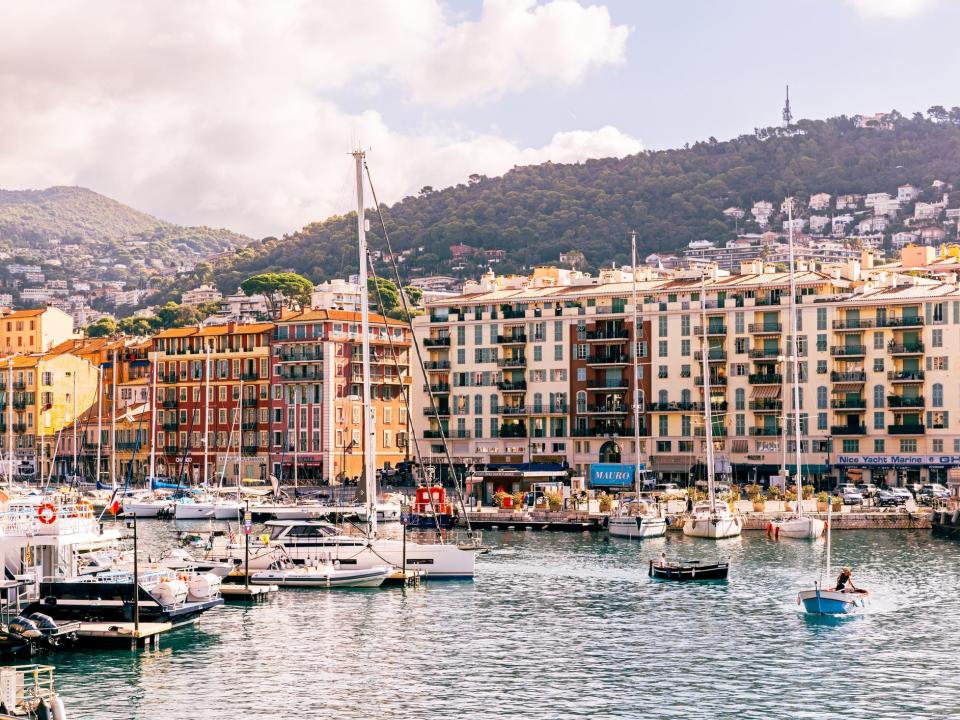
<point x="669" y="197"/>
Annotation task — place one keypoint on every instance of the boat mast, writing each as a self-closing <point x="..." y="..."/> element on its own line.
<point x="74" y="374"/>
<point x="153" y="415"/>
<point x="636" y="366"/>
<point x="707" y="401"/>
<point x="206" y="418"/>
<point x="10" y="421"/>
<point x="795" y="358"/>
<point x="99" y="418"/>
<point x="369" y="430"/>
<point x="113" y="425"/>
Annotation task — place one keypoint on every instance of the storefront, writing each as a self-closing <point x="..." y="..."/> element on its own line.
<point x="512" y="478"/>
<point x="896" y="470"/>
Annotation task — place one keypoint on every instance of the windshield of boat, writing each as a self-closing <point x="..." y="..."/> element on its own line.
<point x="299" y="531"/>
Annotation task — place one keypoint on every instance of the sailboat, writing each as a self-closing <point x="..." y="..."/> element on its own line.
<point x="820" y="601"/>
<point x="637" y="519"/>
<point x="798" y="525"/>
<point x="709" y="520"/>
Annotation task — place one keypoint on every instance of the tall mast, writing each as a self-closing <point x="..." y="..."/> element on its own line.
<point x="74" y="373"/>
<point x="636" y="366"/>
<point x="369" y="429"/>
<point x="795" y="359"/>
<point x="206" y="417"/>
<point x="113" y="425"/>
<point x="10" y="420"/>
<point x="296" y="438"/>
<point x="153" y="415"/>
<point x="99" y="417"/>
<point x="707" y="400"/>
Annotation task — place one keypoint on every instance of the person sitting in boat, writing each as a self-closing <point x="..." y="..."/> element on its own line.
<point x="663" y="560"/>
<point x="845" y="581"/>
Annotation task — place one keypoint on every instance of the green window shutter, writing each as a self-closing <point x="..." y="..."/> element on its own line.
<point x="956" y="312"/>
<point x="929" y="307"/>
<point x="929" y="363"/>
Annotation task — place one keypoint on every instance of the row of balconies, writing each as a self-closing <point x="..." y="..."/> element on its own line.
<point x="716" y="406"/>
<point x="866" y="324"/>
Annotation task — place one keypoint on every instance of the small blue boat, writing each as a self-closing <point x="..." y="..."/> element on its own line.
<point x="832" y="602"/>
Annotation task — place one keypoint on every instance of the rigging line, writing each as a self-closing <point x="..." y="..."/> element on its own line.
<point x="404" y="390"/>
<point x="416" y="346"/>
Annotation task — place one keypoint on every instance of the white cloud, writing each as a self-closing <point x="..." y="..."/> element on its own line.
<point x="225" y="113"/>
<point x="892" y="9"/>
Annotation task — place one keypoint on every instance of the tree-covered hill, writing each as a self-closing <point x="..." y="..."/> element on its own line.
<point x="669" y="197"/>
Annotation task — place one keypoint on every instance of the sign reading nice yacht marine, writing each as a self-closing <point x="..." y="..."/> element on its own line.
<point x="898" y="460"/>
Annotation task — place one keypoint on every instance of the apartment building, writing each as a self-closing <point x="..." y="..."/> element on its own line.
<point x="316" y="413"/>
<point x="33" y="331"/>
<point x="874" y="357"/>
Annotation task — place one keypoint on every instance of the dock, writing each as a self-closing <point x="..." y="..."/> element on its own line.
<point x="404" y="578"/>
<point x="119" y="633"/>
<point x="564" y="521"/>
<point x="235" y="592"/>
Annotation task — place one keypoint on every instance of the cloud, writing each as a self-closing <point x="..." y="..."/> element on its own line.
<point x="892" y="9"/>
<point x="231" y="113"/>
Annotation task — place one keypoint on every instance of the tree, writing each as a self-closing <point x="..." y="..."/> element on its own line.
<point x="937" y="113"/>
<point x="414" y="294"/>
<point x="135" y="326"/>
<point x="288" y="286"/>
<point x="104" y="327"/>
<point x="382" y="295"/>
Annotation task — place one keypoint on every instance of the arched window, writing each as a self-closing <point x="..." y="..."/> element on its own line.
<point x="610" y="452"/>
<point x="878" y="393"/>
<point x="822" y="397"/>
<point x="685" y="396"/>
<point x="937" y="395"/>
<point x="740" y="398"/>
<point x="582" y="401"/>
<point x="662" y="395"/>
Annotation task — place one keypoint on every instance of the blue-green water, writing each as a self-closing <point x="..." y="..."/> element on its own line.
<point x="564" y="625"/>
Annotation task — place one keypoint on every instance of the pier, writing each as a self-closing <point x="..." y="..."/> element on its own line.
<point x="235" y="592"/>
<point x="567" y="521"/>
<point x="117" y="633"/>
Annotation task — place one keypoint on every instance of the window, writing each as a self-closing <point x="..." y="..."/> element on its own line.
<point x="821" y="367"/>
<point x="537" y="353"/>
<point x="878" y="364"/>
<point x="477" y="428"/>
<point x="821" y="318"/>
<point x="461" y="335"/>
<point x="938" y="314"/>
<point x="581" y="374"/>
<point x="583" y="351"/>
<point x="908" y="446"/>
<point x="738" y="324"/>
<point x="938" y="420"/>
<point x="741" y="345"/>
<point x="662" y="427"/>
<point x="937" y="395"/>
<point x="387" y="415"/>
<point x="663" y="348"/>
<point x="851" y="446"/>
<point x="822" y="397"/>
<point x="558" y="352"/>
<point x="478" y="334"/>
<point x="661" y="371"/>
<point x="878" y="423"/>
<point x="685" y="325"/>
<point x="684" y="348"/>
<point x="663" y="446"/>
<point x="662" y="326"/>
<point x="938" y="445"/>
<point x="740" y="425"/>
<point x="878" y="445"/>
<point x="937" y="339"/>
<point x="878" y="393"/>
<point x="685" y="428"/>
<point x="821" y="421"/>
<point x="461" y="356"/>
<point x="937" y="363"/>
<point x="878" y="341"/>
<point x="739" y="399"/>
<point x="822" y="342"/>
<point x="581" y="401"/>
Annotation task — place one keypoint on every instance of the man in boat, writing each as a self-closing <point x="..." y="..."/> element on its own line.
<point x="845" y="581"/>
<point x="663" y="560"/>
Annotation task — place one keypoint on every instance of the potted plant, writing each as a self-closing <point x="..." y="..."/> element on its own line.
<point x="789" y="497"/>
<point x="808" y="492"/>
<point x="606" y="502"/>
<point x="755" y="495"/>
<point x="555" y="501"/>
<point x="502" y="499"/>
<point x="837" y="503"/>
<point x="519" y="498"/>
<point x="823" y="497"/>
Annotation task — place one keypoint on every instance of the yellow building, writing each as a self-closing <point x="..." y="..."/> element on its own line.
<point x="32" y="331"/>
<point x="39" y="395"/>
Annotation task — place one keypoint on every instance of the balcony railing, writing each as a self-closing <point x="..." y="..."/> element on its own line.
<point x="852" y="324"/>
<point x="515" y="339"/>
<point x="437" y="342"/>
<point x="512" y="362"/>
<point x="616" y="334"/>
<point x="513" y="410"/>
<point x="765" y="379"/>
<point x="911" y="376"/>
<point x="249" y="449"/>
<point x="249" y="425"/>
<point x="712" y="329"/>
<point x="609" y="409"/>
<point x="437" y="365"/>
<point x="248" y="376"/>
<point x="434" y="434"/>
<point x="170" y="425"/>
<point x="549" y="410"/>
<point x="517" y="386"/>
<point x="915" y="348"/>
<point x="295" y="372"/>
<point x="718" y="431"/>
<point x="765" y="405"/>
<point x="441" y="411"/>
<point x="765" y="327"/>
<point x="169" y="404"/>
<point x="714" y="381"/>
<point x="248" y="402"/>
<point x="19" y="385"/>
<point x="607" y="384"/>
<point x="513" y="431"/>
<point x="849" y="404"/>
<point x="19" y="427"/>
<point x="714" y="354"/>
<point x="613" y="359"/>
<point x="602" y="431"/>
<point x="765" y="353"/>
<point x="900" y="322"/>
<point x="766" y="431"/>
<point x="848" y="429"/>
<point x="437" y="388"/>
<point x="459" y="434"/>
<point x="848" y="350"/>
<point x="898" y="401"/>
<point x="297" y="356"/>
<point x="858" y="377"/>
<point x="906" y="429"/>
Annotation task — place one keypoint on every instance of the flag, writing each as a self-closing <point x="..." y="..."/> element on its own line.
<point x="114" y="504"/>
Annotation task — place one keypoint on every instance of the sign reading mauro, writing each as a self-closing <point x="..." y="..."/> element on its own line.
<point x="611" y="475"/>
<point x="895" y="460"/>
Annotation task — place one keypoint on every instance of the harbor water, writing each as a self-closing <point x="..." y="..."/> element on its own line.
<point x="563" y="625"/>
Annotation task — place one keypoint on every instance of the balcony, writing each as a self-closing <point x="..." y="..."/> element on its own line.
<point x="519" y="361"/>
<point x="248" y="402"/>
<point x="714" y="381"/>
<point x="459" y="434"/>
<point x="19" y="428"/>
<point x="169" y="404"/>
<point x="513" y="431"/>
<point x="437" y="342"/>
<point x="128" y="446"/>
<point x="773" y="431"/>
<point x="249" y="449"/>
<point x="441" y="411"/>
<point x="915" y="348"/>
<point x="434" y="434"/>
<point x="766" y="328"/>
<point x="249" y="425"/>
<point x="898" y="401"/>
<point x="712" y="329"/>
<point x="852" y="324"/>
<point x="514" y="339"/>
<point x="910" y="376"/>
<point x="168" y="426"/>
<point x="549" y="410"/>
<point x="848" y="429"/>
<point x="674" y="406"/>
<point x="290" y="355"/>
<point x="762" y="353"/>
<point x="513" y="410"/>
<point x="599" y="385"/>
<point x="608" y="409"/>
<point x="437" y="388"/>
<point x="713" y="355"/>
<point x="20" y="403"/>
<point x="507" y="386"/>
<point x="906" y="429"/>
<point x="849" y="404"/>
<point x="249" y="376"/>
<point x="608" y="335"/>
<point x="900" y="322"/>
<point x="437" y="365"/>
<point x="765" y="379"/>
<point x="602" y="431"/>
<point x="718" y="431"/>
<point x="295" y="372"/>
<point x="171" y="449"/>
<point x="19" y="385"/>
<point x="856" y="377"/>
<point x="848" y="350"/>
<point x="761" y="406"/>
<point x="609" y="359"/>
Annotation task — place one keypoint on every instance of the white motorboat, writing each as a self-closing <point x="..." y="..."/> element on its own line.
<point x="147" y="507"/>
<point x="714" y="523"/>
<point x="315" y="541"/>
<point x="179" y="559"/>
<point x="325" y="575"/>
<point x="205" y="509"/>
<point x="800" y="526"/>
<point x="259" y="554"/>
<point x="637" y="520"/>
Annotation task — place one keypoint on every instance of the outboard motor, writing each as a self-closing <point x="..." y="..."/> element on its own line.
<point x="24" y="627"/>
<point x="44" y="622"/>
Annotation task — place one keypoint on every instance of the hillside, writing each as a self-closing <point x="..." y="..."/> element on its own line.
<point x="669" y="197"/>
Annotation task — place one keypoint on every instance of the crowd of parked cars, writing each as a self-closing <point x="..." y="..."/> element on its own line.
<point x="868" y="493"/>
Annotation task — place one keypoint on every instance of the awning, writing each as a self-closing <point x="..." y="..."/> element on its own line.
<point x="739" y="446"/>
<point x="847" y="387"/>
<point x="812" y="469"/>
<point x="765" y="392"/>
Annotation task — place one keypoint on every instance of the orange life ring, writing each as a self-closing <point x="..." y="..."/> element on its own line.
<point x="47" y="513"/>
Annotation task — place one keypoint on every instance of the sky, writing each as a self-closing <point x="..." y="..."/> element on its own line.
<point x="242" y="114"/>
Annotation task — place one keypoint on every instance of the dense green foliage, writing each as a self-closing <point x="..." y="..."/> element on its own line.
<point x="669" y="197"/>
<point x="287" y="285"/>
<point x="169" y="315"/>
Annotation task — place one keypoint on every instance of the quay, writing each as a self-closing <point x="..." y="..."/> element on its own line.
<point x="566" y="521"/>
<point x="235" y="592"/>
<point x="114" y="633"/>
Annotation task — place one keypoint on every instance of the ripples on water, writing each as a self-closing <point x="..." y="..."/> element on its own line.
<point x="558" y="626"/>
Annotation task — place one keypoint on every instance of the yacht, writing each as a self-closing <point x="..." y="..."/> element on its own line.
<point x="204" y="508"/>
<point x="709" y="521"/>
<point x="312" y="540"/>
<point x="636" y="520"/>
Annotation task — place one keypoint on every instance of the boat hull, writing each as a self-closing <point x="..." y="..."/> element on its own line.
<point x="323" y="578"/>
<point x="145" y="509"/>
<point x="436" y="561"/>
<point x="691" y="572"/>
<point x="831" y="602"/>
<point x="714" y="528"/>
<point x="638" y="527"/>
<point x="801" y="528"/>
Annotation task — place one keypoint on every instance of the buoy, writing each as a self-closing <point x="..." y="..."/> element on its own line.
<point x="776" y="533"/>
<point x="47" y="513"/>
<point x="769" y="528"/>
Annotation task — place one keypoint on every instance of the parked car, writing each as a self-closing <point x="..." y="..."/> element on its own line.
<point x="901" y="492"/>
<point x="934" y="491"/>
<point x="885" y="498"/>
<point x="850" y="495"/>
<point x="668" y="488"/>
<point x="868" y="490"/>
